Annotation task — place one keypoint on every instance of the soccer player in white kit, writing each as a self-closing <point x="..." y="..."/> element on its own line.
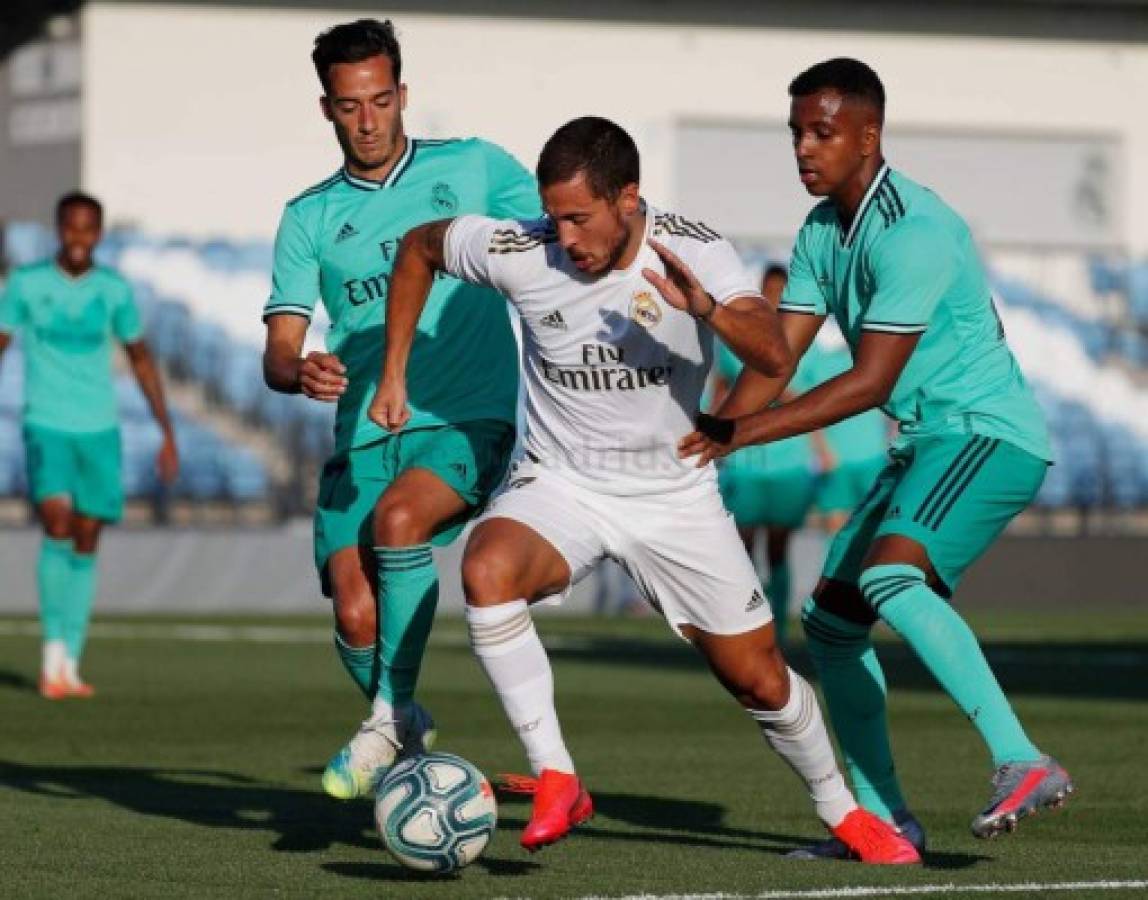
<point x="617" y="303"/>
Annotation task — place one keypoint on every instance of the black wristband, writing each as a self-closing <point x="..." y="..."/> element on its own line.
<point x="706" y="316"/>
<point x="720" y="430"/>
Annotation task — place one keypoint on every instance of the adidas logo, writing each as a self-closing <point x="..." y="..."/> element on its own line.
<point x="347" y="231"/>
<point x="755" y="601"/>
<point x="554" y="320"/>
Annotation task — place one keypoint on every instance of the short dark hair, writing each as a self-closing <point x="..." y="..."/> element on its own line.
<point x="596" y="146"/>
<point x="773" y="269"/>
<point x="355" y="41"/>
<point x="851" y="78"/>
<point x="78" y="198"/>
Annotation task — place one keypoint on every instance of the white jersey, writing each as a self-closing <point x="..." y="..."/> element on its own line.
<point x="614" y="375"/>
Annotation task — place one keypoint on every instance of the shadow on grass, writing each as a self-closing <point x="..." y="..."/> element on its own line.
<point x="389" y="871"/>
<point x="301" y="821"/>
<point x="309" y="822"/>
<point x="16" y="681"/>
<point x="1113" y="670"/>
<point x="690" y="823"/>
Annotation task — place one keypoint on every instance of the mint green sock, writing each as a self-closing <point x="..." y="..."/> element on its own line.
<point x="408" y="595"/>
<point x="854" y="688"/>
<point x="78" y="609"/>
<point x="361" y="663"/>
<point x="54" y="575"/>
<point x="949" y="650"/>
<point x="778" y="591"/>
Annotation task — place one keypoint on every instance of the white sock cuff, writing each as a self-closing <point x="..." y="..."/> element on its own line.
<point x="497" y="630"/>
<point x="795" y="716"/>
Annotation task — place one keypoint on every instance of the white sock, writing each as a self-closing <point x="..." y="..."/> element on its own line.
<point x="797" y="732"/>
<point x="382" y="708"/>
<point x="53" y="655"/>
<point x="71" y="670"/>
<point x="507" y="646"/>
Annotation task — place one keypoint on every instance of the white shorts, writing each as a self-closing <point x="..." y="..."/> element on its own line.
<point x="682" y="549"/>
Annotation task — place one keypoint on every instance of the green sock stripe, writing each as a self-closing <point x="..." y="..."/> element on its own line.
<point x="834" y="623"/>
<point x="970" y="446"/>
<point x="980" y="463"/>
<point x="877" y="589"/>
<point x="818" y="630"/>
<point x="399" y="552"/>
<point x="406" y="567"/>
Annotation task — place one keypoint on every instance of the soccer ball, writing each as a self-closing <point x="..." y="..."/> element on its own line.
<point x="435" y="812"/>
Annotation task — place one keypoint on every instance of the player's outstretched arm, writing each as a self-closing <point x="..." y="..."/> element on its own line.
<point x="747" y="325"/>
<point x="880" y="359"/>
<point x="753" y="391"/>
<point x="147" y="374"/>
<point x="421" y="254"/>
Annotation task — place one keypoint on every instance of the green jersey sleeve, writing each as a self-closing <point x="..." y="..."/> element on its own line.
<point x="913" y="266"/>
<point x="295" y="269"/>
<point x="513" y="192"/>
<point x="13" y="312"/>
<point x="802" y="293"/>
<point x="126" y="324"/>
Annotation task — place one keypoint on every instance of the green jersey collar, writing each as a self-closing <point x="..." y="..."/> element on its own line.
<point x="866" y="201"/>
<point x="368" y="184"/>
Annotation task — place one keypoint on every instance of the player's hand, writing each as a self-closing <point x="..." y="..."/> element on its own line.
<point x="389" y="408"/>
<point x="322" y="376"/>
<point x="679" y="287"/>
<point x="167" y="460"/>
<point x="713" y="439"/>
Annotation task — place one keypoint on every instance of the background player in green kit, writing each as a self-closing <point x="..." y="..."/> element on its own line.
<point x="898" y="270"/>
<point x="857" y="447"/>
<point x="384" y="499"/>
<point x="770" y="487"/>
<point x="68" y="311"/>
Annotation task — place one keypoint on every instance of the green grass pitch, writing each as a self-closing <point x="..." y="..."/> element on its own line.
<point x="194" y="773"/>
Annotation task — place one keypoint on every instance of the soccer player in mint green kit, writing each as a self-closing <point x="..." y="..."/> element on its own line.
<point x="384" y="499"/>
<point x="68" y="311"/>
<point x="897" y="269"/>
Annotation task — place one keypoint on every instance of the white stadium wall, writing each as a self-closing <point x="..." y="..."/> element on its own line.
<point x="204" y="120"/>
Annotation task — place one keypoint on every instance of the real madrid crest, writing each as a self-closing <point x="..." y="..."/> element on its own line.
<point x="644" y="309"/>
<point x="443" y="199"/>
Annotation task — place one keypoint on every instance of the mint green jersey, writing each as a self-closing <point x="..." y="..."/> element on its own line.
<point x="908" y="265"/>
<point x="763" y="459"/>
<point x="67" y="327"/>
<point x="857" y="438"/>
<point x="337" y="243"/>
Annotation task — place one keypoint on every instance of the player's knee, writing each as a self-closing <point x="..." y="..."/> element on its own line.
<point x="488" y="578"/>
<point x="398" y="525"/>
<point x="830" y="638"/>
<point x="57" y="529"/>
<point x="766" y="687"/>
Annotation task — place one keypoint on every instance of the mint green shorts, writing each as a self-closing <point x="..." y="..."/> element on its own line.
<point x="846" y="486"/>
<point x="83" y="466"/>
<point x="471" y="458"/>
<point x="780" y="499"/>
<point x="953" y="494"/>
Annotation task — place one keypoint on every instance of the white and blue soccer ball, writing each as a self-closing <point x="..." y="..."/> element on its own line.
<point x="435" y="812"/>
